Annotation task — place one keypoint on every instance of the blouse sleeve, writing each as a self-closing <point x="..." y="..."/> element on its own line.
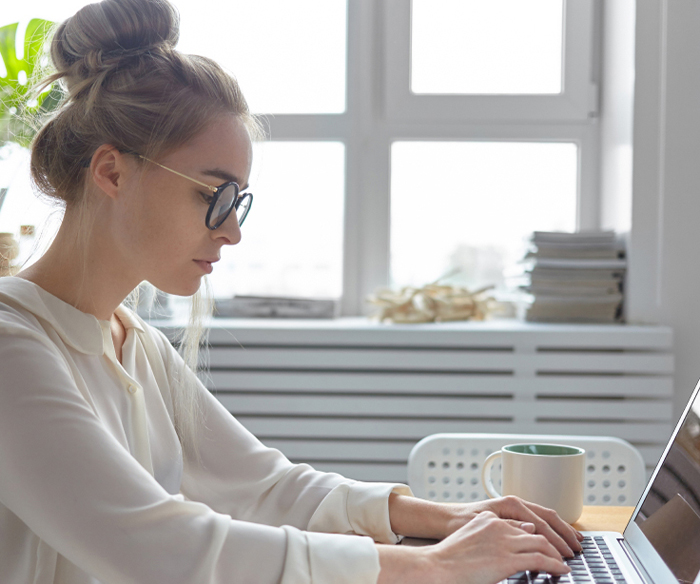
<point x="241" y="477"/>
<point x="69" y="481"/>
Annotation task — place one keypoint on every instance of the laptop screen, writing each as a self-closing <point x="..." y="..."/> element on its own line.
<point x="669" y="514"/>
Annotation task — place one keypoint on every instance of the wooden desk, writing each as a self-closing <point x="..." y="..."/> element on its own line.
<point x="604" y="518"/>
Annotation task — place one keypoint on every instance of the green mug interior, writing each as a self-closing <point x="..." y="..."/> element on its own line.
<point x="544" y="449"/>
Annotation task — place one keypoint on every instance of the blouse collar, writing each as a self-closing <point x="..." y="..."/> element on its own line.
<point x="80" y="330"/>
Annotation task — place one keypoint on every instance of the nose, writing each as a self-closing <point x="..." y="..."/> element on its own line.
<point x="229" y="230"/>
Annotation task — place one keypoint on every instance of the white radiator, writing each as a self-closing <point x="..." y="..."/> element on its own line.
<point x="354" y="397"/>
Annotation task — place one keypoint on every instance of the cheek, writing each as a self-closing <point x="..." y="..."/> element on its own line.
<point x="169" y="227"/>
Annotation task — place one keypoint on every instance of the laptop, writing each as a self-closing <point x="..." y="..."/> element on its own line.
<point x="661" y="543"/>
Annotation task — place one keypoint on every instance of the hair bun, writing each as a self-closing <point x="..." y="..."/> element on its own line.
<point x="114" y="28"/>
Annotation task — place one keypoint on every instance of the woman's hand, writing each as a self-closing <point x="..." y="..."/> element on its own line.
<point x="415" y="517"/>
<point x="516" y="511"/>
<point x="484" y="551"/>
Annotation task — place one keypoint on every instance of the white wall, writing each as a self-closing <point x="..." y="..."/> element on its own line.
<point x="664" y="244"/>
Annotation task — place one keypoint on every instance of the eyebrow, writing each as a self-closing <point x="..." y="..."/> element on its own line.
<point x="223" y="175"/>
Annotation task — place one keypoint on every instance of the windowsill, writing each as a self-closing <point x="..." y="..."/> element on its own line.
<point x="365" y="324"/>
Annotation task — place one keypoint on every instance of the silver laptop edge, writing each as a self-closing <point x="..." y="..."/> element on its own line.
<point x="633" y="550"/>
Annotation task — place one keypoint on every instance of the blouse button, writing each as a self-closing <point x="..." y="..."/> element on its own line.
<point x="133" y="389"/>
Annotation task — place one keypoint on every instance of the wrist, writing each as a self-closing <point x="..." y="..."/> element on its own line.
<point x="406" y="565"/>
<point x="413" y="517"/>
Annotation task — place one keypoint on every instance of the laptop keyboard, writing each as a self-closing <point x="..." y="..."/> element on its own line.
<point x="595" y="565"/>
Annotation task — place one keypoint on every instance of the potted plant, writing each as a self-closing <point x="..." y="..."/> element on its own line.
<point x="21" y="108"/>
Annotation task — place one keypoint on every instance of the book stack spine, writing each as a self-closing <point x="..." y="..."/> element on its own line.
<point x="576" y="277"/>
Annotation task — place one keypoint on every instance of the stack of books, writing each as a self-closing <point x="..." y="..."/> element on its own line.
<point x="575" y="277"/>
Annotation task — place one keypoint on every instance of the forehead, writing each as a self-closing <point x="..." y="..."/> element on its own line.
<point x="224" y="144"/>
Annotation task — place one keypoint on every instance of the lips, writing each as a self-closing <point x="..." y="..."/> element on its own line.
<point x="205" y="265"/>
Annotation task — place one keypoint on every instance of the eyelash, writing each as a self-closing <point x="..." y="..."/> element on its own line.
<point x="207" y="198"/>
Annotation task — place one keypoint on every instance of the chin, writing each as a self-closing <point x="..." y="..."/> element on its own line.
<point x="179" y="287"/>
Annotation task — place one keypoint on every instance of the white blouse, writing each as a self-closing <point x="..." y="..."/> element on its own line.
<point x="94" y="486"/>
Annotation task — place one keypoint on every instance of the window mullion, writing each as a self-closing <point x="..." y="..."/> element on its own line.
<point x="366" y="255"/>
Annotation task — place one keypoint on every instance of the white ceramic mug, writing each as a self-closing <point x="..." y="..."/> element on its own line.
<point x="551" y="475"/>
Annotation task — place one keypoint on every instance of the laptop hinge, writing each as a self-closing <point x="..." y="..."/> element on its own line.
<point x="634" y="561"/>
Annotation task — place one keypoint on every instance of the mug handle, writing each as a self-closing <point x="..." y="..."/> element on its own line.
<point x="486" y="475"/>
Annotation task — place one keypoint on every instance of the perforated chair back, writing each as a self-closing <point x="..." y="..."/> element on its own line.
<point x="447" y="467"/>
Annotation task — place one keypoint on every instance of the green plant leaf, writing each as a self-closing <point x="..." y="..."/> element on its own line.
<point x="19" y="107"/>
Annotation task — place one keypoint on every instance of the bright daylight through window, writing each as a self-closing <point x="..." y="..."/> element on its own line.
<point x="353" y="192"/>
<point x="495" y="47"/>
<point x="477" y="206"/>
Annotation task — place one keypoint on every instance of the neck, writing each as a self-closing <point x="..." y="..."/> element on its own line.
<point x="80" y="269"/>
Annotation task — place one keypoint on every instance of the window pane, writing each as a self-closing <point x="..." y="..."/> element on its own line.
<point x="494" y="47"/>
<point x="22" y="207"/>
<point x="289" y="57"/>
<point x="471" y="205"/>
<point x="292" y="241"/>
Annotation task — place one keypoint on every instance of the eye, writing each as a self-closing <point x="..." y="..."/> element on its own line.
<point x="206" y="197"/>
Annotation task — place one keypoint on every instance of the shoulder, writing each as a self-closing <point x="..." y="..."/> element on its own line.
<point x="16" y="320"/>
<point x="25" y="342"/>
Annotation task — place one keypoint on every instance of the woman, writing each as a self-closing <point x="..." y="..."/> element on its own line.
<point x="117" y="464"/>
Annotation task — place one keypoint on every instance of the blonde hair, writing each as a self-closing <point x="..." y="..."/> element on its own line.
<point x="126" y="85"/>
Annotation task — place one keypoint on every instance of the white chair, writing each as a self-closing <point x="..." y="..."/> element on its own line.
<point x="447" y="467"/>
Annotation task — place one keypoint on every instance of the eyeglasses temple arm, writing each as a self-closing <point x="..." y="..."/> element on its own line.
<point x="211" y="188"/>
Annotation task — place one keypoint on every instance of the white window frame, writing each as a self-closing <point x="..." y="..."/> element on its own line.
<point x="577" y="101"/>
<point x="374" y="120"/>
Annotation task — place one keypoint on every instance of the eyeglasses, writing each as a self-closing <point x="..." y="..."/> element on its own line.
<point x="225" y="198"/>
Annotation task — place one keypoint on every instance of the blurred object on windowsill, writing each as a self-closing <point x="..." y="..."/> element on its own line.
<point x="435" y="303"/>
<point x="9" y="250"/>
<point x="276" y="307"/>
<point x="576" y="277"/>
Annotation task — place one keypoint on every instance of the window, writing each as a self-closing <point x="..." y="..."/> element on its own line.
<point x="481" y="201"/>
<point x="501" y="47"/>
<point x="407" y="137"/>
<point x="497" y="61"/>
<point x="293" y="242"/>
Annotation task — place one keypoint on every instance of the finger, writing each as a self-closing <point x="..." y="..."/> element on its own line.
<point x="538" y="562"/>
<point x="562" y="544"/>
<point x="526" y="526"/>
<point x="525" y="511"/>
<point x="561" y="527"/>
<point x="535" y="543"/>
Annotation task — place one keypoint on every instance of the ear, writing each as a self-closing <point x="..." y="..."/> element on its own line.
<point x="108" y="170"/>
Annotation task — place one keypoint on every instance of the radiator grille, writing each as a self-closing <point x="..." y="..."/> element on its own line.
<point x="354" y="397"/>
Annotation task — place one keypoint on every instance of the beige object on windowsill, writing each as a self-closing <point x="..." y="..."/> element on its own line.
<point x="432" y="303"/>
<point x="9" y="250"/>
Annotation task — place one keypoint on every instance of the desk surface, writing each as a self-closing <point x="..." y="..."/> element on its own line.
<point x="604" y="518"/>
